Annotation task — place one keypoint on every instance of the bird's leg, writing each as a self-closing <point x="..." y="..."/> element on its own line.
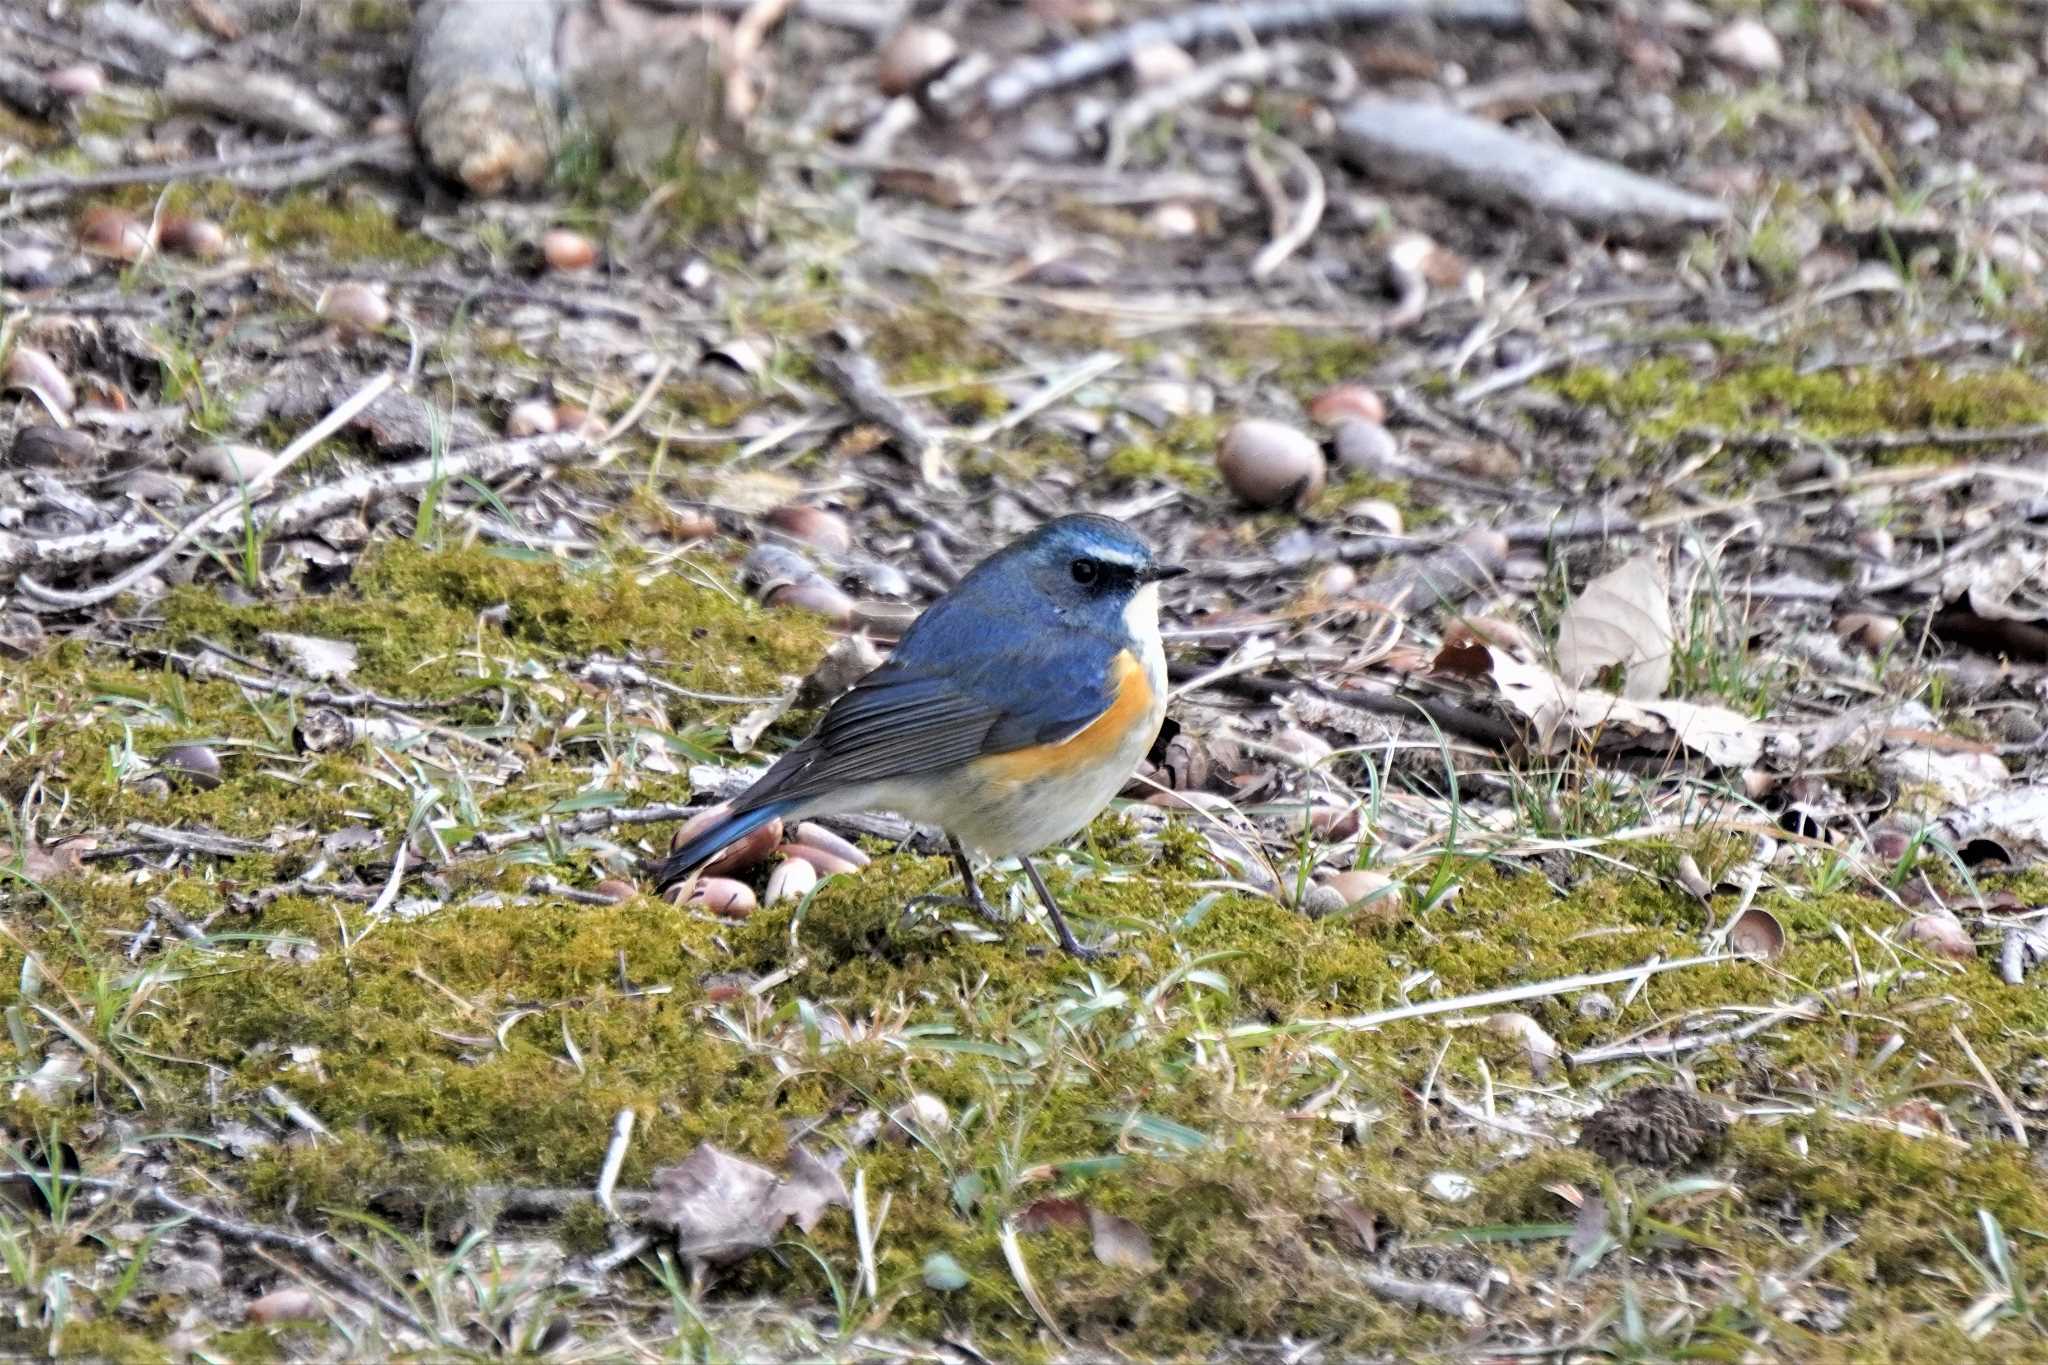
<point x="972" y="899"/>
<point x="1059" y="921"/>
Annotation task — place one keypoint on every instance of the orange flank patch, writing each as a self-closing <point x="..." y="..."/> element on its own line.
<point x="1090" y="747"/>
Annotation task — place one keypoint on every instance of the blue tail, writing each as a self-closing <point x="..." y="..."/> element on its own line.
<point x="706" y="846"/>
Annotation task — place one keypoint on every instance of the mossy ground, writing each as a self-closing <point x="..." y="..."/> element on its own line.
<point x="492" y="1040"/>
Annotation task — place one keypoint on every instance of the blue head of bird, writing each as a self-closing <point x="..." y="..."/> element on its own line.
<point x="1093" y="572"/>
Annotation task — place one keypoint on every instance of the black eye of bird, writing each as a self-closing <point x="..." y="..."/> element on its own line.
<point x="1087" y="572"/>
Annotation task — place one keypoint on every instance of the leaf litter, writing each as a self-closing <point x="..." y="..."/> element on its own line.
<point x="334" y="782"/>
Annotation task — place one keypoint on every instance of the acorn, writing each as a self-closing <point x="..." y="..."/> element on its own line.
<point x="194" y="237"/>
<point x="1366" y="447"/>
<point x="290" y="1304"/>
<point x="29" y="368"/>
<point x="1941" y="933"/>
<point x="1270" y="464"/>
<point x="353" y="307"/>
<point x="724" y="896"/>
<point x="1375" y="894"/>
<point x="827" y="864"/>
<point x="1157" y="64"/>
<point x="193" y="763"/>
<point x="533" y="417"/>
<point x="1173" y="221"/>
<point x="46" y="447"/>
<point x="617" y="890"/>
<point x="227" y="462"/>
<point x="816" y="596"/>
<point x="813" y="526"/>
<point x="567" y="250"/>
<point x="791" y="880"/>
<point x="113" y="233"/>
<point x="1334" y="405"/>
<point x="915" y="57"/>
<point x="737" y="856"/>
<point x="817" y="836"/>
<point x="80" y="80"/>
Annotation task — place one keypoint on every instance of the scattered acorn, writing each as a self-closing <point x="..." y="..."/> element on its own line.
<point x="1940" y="932"/>
<point x="1867" y="631"/>
<point x="756" y="845"/>
<point x="1173" y="221"/>
<point x="1347" y="401"/>
<point x="1749" y="44"/>
<point x="827" y="864"/>
<point x="28" y="267"/>
<point x="1270" y="464"/>
<point x="1157" y="64"/>
<point x="617" y="890"/>
<point x="915" y="57"/>
<point x="354" y="307"/>
<point x="290" y="1304"/>
<point x="817" y="836"/>
<point x="1757" y="933"/>
<point x="226" y="462"/>
<point x="816" y="596"/>
<point x="1374" y="894"/>
<point x="192" y="763"/>
<point x="47" y="447"/>
<point x="78" y="81"/>
<point x="921" y="1115"/>
<point x="194" y="237"/>
<point x="828" y="531"/>
<point x="1333" y="580"/>
<point x="724" y="896"/>
<point x="532" y="417"/>
<point x="34" y="370"/>
<point x="1378" y="513"/>
<point x="1365" y="447"/>
<point x="567" y="250"/>
<point x="114" y="233"/>
<point x="791" y="880"/>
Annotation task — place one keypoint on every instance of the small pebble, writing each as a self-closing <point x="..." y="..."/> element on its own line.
<point x="1596" y="1005"/>
<point x="1157" y="64"/>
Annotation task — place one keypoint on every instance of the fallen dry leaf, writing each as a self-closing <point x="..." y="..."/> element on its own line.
<point x="1563" y="715"/>
<point x="723" y="1208"/>
<point x="1622" y="619"/>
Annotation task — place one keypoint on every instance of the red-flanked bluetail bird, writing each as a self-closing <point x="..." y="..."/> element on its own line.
<point x="1010" y="713"/>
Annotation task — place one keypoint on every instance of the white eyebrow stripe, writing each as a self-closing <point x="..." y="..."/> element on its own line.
<point x="1118" y="557"/>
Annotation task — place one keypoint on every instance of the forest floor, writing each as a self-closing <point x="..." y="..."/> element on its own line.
<point x="1585" y="905"/>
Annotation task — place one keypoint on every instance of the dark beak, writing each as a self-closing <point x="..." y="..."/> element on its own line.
<point x="1152" y="573"/>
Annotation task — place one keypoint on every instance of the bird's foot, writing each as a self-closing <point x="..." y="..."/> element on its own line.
<point x="975" y="902"/>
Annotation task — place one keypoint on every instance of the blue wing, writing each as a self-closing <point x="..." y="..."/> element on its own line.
<point x="960" y="685"/>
